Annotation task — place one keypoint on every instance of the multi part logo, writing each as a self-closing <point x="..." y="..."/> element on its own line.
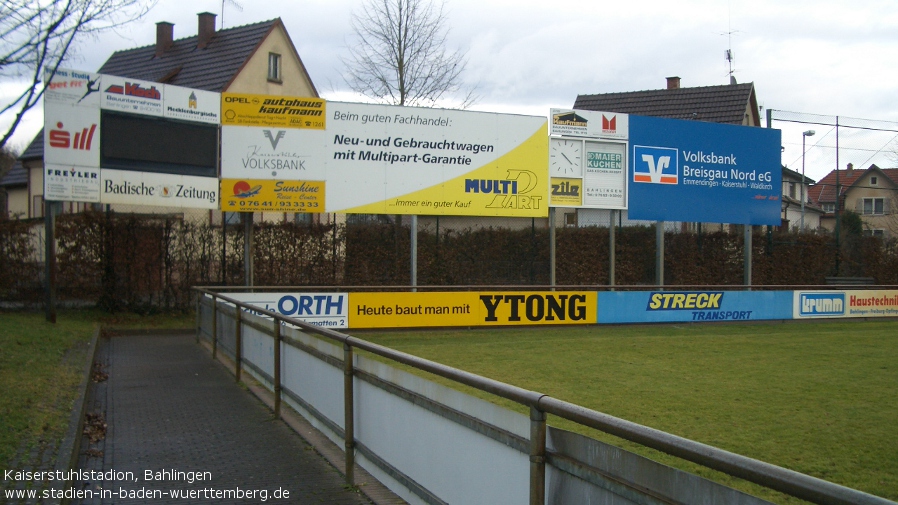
<point x="821" y="304"/>
<point x="656" y="165"/>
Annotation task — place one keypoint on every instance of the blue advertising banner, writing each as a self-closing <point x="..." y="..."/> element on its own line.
<point x="696" y="171"/>
<point x="693" y="306"/>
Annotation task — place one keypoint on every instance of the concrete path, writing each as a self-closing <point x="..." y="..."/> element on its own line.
<point x="174" y="416"/>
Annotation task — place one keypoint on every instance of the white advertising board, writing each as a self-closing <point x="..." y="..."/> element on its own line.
<point x="250" y="152"/>
<point x="839" y="304"/>
<point x="162" y="190"/>
<point x="588" y="123"/>
<point x="71" y="183"/>
<point x="381" y="159"/>
<point x="71" y="135"/>
<point x="328" y="310"/>
<point x="131" y="95"/>
<point x="605" y="175"/>
<point x="191" y="104"/>
<point x="73" y="87"/>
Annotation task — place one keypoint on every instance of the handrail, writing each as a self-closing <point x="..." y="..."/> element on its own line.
<point x="771" y="476"/>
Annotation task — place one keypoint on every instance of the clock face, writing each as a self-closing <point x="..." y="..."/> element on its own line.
<point x="566" y="157"/>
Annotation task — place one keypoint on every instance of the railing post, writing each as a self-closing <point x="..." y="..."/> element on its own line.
<point x="238" y="344"/>
<point x="214" y="327"/>
<point x="277" y="368"/>
<point x="348" y="412"/>
<point x="199" y="315"/>
<point x="537" y="456"/>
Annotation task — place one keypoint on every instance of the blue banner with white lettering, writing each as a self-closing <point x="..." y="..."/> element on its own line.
<point x="697" y="171"/>
<point x="692" y="306"/>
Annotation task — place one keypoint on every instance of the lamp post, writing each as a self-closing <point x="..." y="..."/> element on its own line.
<point x="804" y="135"/>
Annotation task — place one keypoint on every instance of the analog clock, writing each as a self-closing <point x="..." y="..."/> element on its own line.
<point x="565" y="158"/>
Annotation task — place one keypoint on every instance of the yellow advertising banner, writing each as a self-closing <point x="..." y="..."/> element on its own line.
<point x="566" y="192"/>
<point x="241" y="109"/>
<point x="251" y="195"/>
<point x="475" y="308"/>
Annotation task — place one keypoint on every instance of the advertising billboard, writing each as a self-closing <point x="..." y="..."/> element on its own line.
<point x="241" y="109"/>
<point x="328" y="310"/>
<point x="380" y="159"/>
<point x="588" y="163"/>
<point x="252" y="195"/>
<point x="697" y="171"/>
<point x="616" y="307"/>
<point x="111" y="139"/>
<point x="837" y="304"/>
<point x="475" y="308"/>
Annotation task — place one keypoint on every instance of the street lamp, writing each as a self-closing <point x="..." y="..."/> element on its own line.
<point x="809" y="133"/>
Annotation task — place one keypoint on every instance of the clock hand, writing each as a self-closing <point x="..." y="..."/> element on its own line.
<point x="568" y="159"/>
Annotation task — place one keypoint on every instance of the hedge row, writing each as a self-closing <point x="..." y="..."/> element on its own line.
<point x="146" y="263"/>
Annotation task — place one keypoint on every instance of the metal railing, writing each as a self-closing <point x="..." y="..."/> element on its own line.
<point x="767" y="475"/>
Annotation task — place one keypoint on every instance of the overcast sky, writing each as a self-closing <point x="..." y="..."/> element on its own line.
<point x="828" y="57"/>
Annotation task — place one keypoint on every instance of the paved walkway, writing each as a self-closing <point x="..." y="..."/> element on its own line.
<point x="171" y="410"/>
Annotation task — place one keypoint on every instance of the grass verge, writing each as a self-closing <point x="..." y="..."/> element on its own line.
<point x="817" y="398"/>
<point x="40" y="367"/>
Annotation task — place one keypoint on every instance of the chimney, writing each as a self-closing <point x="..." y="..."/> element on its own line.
<point x="673" y="83"/>
<point x="850" y="167"/>
<point x="164" y="37"/>
<point x="206" y="29"/>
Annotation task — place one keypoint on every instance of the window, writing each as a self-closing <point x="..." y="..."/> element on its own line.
<point x="791" y="190"/>
<point x="874" y="233"/>
<point x="829" y="207"/>
<point x="873" y="206"/>
<point x="302" y="218"/>
<point x="570" y="219"/>
<point x="873" y="181"/>
<point x="274" y="67"/>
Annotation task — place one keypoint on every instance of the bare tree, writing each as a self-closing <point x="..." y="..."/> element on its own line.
<point x="37" y="36"/>
<point x="400" y="57"/>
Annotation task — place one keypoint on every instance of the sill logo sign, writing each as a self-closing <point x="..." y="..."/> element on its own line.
<point x="655" y="165"/>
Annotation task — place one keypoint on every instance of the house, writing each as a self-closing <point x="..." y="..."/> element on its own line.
<point x="796" y="186"/>
<point x="257" y="58"/>
<point x="729" y="104"/>
<point x="871" y="193"/>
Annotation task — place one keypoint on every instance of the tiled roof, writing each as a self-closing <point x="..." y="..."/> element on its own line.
<point x="35" y="150"/>
<point x="183" y="64"/>
<point x="716" y="104"/>
<point x="825" y="190"/>
<point x="17" y="176"/>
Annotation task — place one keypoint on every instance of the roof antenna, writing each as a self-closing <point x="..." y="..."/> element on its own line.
<point x="730" y="57"/>
<point x="232" y="3"/>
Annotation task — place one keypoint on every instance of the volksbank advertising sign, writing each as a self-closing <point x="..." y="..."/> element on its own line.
<point x="704" y="172"/>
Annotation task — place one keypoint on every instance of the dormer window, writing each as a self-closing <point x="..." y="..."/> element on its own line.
<point x="274" y="67"/>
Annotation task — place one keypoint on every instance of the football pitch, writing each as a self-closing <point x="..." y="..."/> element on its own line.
<point x="819" y="398"/>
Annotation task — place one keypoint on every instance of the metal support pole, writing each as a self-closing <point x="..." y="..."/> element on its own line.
<point x="238" y="345"/>
<point x="659" y="253"/>
<point x="747" y="257"/>
<point x="552" y="247"/>
<point x="277" y="368"/>
<point x="612" y="246"/>
<point x="214" y="327"/>
<point x="537" y="456"/>
<point x="248" y="248"/>
<point x="50" y="259"/>
<point x="349" y="415"/>
<point x="414" y="253"/>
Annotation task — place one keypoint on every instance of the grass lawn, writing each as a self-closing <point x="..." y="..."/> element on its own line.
<point x="40" y="369"/>
<point x="820" y="398"/>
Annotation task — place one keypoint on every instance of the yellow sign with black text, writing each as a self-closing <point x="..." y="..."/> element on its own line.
<point x="476" y="308"/>
<point x="254" y="195"/>
<point x="566" y="192"/>
<point x="241" y="109"/>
